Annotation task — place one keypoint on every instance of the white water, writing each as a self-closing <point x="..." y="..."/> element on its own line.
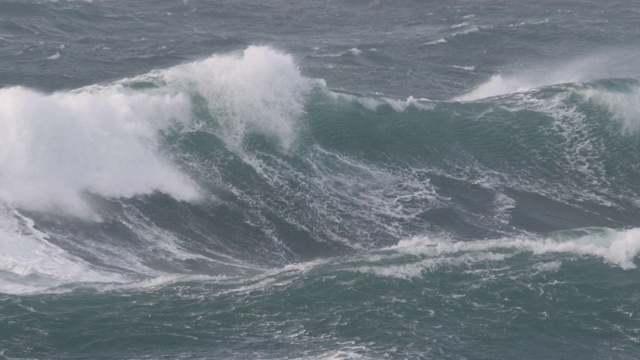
<point x="619" y="248"/>
<point x="106" y="140"/>
<point x="622" y="105"/>
<point x="30" y="263"/>
<point x="598" y="65"/>
<point x="55" y="147"/>
<point x="258" y="91"/>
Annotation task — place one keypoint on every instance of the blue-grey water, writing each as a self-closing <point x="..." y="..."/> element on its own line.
<point x="319" y="179"/>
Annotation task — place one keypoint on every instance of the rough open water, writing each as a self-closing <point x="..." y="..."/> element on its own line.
<point x="319" y="180"/>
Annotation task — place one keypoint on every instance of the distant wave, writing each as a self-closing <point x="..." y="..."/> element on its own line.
<point x="590" y="67"/>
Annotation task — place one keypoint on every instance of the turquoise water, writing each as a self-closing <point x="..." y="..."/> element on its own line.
<point x="336" y="180"/>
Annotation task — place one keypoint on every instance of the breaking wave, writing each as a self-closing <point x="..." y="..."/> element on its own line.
<point x="238" y="163"/>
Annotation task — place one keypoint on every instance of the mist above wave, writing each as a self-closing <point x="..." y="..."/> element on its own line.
<point x="611" y="63"/>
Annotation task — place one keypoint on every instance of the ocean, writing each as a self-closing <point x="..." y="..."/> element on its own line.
<point x="319" y="179"/>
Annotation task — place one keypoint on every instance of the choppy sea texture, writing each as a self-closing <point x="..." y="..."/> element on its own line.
<point x="222" y="187"/>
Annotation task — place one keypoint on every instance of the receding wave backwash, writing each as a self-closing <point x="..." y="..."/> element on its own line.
<point x="238" y="205"/>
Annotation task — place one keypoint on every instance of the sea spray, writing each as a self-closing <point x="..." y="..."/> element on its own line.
<point x="104" y="141"/>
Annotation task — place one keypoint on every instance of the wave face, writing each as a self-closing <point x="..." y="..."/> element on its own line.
<point x="302" y="171"/>
<point x="242" y="205"/>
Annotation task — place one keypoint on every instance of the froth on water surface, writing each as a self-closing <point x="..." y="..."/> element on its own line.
<point x="311" y="180"/>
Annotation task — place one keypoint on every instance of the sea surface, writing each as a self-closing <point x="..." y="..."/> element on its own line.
<point x="319" y="179"/>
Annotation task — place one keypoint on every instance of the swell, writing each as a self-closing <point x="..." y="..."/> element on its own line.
<point x="575" y="144"/>
<point x="238" y="163"/>
<point x="423" y="288"/>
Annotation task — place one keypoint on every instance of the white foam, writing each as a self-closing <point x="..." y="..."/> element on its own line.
<point x="469" y="30"/>
<point x="30" y="263"/>
<point x="260" y="90"/>
<point x="165" y="244"/>
<point x="623" y="105"/>
<point x="551" y="266"/>
<point x="582" y="155"/>
<point x="355" y="51"/>
<point x="616" y="247"/>
<point x="55" y="147"/>
<point x="599" y="64"/>
<point x="416" y="269"/>
<point x="528" y="23"/>
<point x="436" y="42"/>
<point x="376" y="192"/>
<point x="503" y="206"/>
<point x="580" y="69"/>
<point x="105" y="139"/>
<point x="156" y="282"/>
<point x="347" y="353"/>
<point x="497" y="85"/>
<point x="55" y="56"/>
<point x="402" y="105"/>
<point x="468" y="68"/>
<point x="374" y="103"/>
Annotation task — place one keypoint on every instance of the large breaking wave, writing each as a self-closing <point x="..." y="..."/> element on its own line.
<point x="238" y="163"/>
